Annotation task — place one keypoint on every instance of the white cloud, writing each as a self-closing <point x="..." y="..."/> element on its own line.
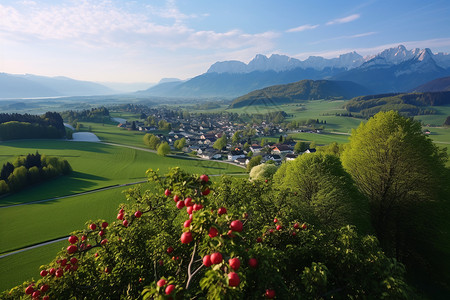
<point x="344" y="37"/>
<point x="344" y="20"/>
<point x="101" y="24"/>
<point x="302" y="28"/>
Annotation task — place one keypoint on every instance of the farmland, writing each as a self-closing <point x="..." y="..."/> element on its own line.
<point x="95" y="166"/>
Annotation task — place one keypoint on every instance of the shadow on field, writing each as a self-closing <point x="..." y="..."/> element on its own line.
<point x="40" y="145"/>
<point x="75" y="183"/>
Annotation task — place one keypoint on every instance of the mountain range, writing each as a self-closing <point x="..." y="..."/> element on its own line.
<point x="31" y="86"/>
<point x="392" y="70"/>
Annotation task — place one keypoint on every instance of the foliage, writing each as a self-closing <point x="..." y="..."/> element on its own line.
<point x="447" y="121"/>
<point x="409" y="104"/>
<point x="221" y="142"/>
<point x="300" y="147"/>
<point x="319" y="182"/>
<point x="97" y="115"/>
<point x="179" y="144"/>
<point x="17" y="126"/>
<point x="31" y="169"/>
<point x="152" y="141"/>
<point x="163" y="149"/>
<point x="128" y="258"/>
<point x="403" y="175"/>
<point x="263" y="171"/>
<point x="254" y="161"/>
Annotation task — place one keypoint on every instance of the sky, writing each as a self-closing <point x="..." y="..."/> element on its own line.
<point x="144" y="41"/>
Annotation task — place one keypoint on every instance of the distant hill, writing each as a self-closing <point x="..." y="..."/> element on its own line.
<point x="408" y="103"/>
<point x="299" y="91"/>
<point x="27" y="86"/>
<point x="231" y="85"/>
<point x="437" y="85"/>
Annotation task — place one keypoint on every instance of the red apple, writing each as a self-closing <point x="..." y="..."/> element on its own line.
<point x="59" y="272"/>
<point x="304" y="226"/>
<point x="105" y="224"/>
<point x="138" y="214"/>
<point x="270" y="294"/>
<point x="176" y="198"/>
<point x="125" y="223"/>
<point x="222" y="211"/>
<point x="253" y="263"/>
<point x="29" y="290"/>
<point x="230" y="233"/>
<point x="43" y="273"/>
<point x="197" y="207"/>
<point x="216" y="258"/>
<point x="52" y="271"/>
<point x="45" y="288"/>
<point x="296" y="225"/>
<point x="73" y="239"/>
<point x="101" y="233"/>
<point x="180" y="204"/>
<point x="72" y="249"/>
<point x="170" y="249"/>
<point x="189" y="209"/>
<point x="73" y="260"/>
<point x="46" y="297"/>
<point x="63" y="262"/>
<point x="259" y="240"/>
<point x="236" y="225"/>
<point x="169" y="289"/>
<point x="107" y="270"/>
<point x="233" y="279"/>
<point x="187" y="223"/>
<point x="96" y="254"/>
<point x="162" y="282"/>
<point x="294" y="233"/>
<point x="83" y="237"/>
<point x="279" y="227"/>
<point x="186" y="237"/>
<point x="213" y="232"/>
<point x="36" y="294"/>
<point x="121" y="211"/>
<point x="207" y="260"/>
<point x="204" y="178"/>
<point x="92" y="226"/>
<point x="74" y="268"/>
<point x="167" y="192"/>
<point x="235" y="263"/>
<point x="120" y="217"/>
<point x="275" y="220"/>
<point x="188" y="201"/>
<point x="206" y="192"/>
<point x="271" y="230"/>
<point x="103" y="242"/>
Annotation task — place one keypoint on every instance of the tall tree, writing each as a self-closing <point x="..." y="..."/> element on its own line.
<point x="221" y="142"/>
<point x="163" y="149"/>
<point x="320" y="184"/>
<point x="402" y="173"/>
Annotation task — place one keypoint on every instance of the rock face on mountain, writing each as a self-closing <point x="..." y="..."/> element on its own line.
<point x="300" y="91"/>
<point x="392" y="70"/>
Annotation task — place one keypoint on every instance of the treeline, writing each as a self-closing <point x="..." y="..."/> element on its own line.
<point x="97" y="115"/>
<point x="30" y="169"/>
<point x="18" y="126"/>
<point x="409" y="104"/>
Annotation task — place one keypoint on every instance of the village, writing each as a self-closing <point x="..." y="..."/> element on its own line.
<point x="223" y="136"/>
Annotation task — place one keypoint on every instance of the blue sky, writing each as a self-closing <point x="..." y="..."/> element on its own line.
<point x="144" y="41"/>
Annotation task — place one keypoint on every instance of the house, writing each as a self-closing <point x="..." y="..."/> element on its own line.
<point x="281" y="149"/>
<point x="275" y="157"/>
<point x="210" y="154"/>
<point x="121" y="125"/>
<point x="310" y="151"/>
<point x="290" y="156"/>
<point x="255" y="149"/>
<point x="233" y="155"/>
<point x="241" y="160"/>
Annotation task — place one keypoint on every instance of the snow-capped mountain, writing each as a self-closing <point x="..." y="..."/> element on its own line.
<point x="392" y="70"/>
<point x="348" y="61"/>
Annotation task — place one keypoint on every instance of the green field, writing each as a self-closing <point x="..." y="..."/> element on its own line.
<point x="19" y="267"/>
<point x="97" y="165"/>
